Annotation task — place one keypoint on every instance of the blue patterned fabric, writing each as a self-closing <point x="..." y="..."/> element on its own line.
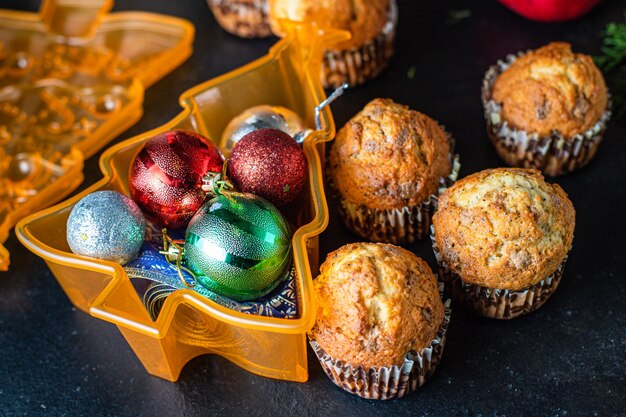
<point x="152" y="266"/>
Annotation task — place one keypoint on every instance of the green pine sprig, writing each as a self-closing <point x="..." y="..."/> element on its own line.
<point x="613" y="63"/>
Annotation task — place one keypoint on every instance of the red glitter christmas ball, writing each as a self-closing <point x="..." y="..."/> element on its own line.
<point x="166" y="177"/>
<point x="270" y="164"/>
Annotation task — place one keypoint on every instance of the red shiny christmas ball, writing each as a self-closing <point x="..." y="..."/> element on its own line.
<point x="551" y="10"/>
<point x="270" y="164"/>
<point x="166" y="177"/>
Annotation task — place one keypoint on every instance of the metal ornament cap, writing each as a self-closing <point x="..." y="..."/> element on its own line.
<point x="238" y="245"/>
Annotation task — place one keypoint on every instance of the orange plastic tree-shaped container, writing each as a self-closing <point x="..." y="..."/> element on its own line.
<point x="71" y="79"/>
<point x="189" y="324"/>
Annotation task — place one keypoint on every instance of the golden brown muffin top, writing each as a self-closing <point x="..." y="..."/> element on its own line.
<point x="388" y="156"/>
<point x="365" y="19"/>
<point x="376" y="303"/>
<point x="504" y="228"/>
<point x="551" y="88"/>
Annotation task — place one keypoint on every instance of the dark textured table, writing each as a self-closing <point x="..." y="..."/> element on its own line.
<point x="569" y="358"/>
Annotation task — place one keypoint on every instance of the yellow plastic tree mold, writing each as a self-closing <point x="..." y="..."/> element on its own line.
<point x="72" y="78"/>
<point x="190" y="324"/>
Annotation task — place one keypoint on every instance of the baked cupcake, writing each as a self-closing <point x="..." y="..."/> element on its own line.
<point x="388" y="163"/>
<point x="244" y="18"/>
<point x="501" y="237"/>
<point x="381" y="325"/>
<point x="372" y="24"/>
<point x="546" y="109"/>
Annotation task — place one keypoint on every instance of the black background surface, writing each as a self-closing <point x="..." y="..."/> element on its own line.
<point x="566" y="359"/>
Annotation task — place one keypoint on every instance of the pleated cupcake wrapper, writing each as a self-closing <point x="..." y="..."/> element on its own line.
<point x="553" y="154"/>
<point x="399" y="226"/>
<point x="492" y="302"/>
<point x="361" y="63"/>
<point x="387" y="382"/>
<point x="241" y="18"/>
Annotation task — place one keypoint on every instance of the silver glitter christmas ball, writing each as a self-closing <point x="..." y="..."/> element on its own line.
<point x="262" y="117"/>
<point x="106" y="225"/>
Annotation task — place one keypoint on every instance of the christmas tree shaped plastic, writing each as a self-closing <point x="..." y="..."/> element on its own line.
<point x="190" y="324"/>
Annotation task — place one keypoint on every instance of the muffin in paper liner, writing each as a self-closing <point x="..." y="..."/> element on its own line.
<point x="493" y="302"/>
<point x="361" y="63"/>
<point x="554" y="154"/>
<point x="244" y="18"/>
<point x="398" y="226"/>
<point x="389" y="382"/>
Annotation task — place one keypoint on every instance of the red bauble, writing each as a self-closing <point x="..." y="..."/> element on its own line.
<point x="166" y="177"/>
<point x="270" y="164"/>
<point x="550" y="10"/>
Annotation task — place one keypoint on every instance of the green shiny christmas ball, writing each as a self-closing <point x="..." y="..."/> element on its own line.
<point x="239" y="246"/>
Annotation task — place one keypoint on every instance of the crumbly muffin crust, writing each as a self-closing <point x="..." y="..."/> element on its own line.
<point x="551" y="88"/>
<point x="377" y="302"/>
<point x="504" y="228"/>
<point x="365" y="19"/>
<point x="388" y="156"/>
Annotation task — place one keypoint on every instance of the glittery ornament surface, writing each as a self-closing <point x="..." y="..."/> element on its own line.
<point x="106" y="225"/>
<point x="269" y="163"/>
<point x="239" y="245"/>
<point x="262" y="117"/>
<point x="166" y="176"/>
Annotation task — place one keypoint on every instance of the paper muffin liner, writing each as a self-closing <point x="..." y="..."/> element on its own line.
<point x="244" y="18"/>
<point x="387" y="382"/>
<point x="398" y="226"/>
<point x="554" y="154"/>
<point x="493" y="302"/>
<point x="364" y="62"/>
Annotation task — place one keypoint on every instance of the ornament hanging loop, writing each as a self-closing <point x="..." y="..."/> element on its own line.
<point x="173" y="251"/>
<point x="217" y="183"/>
<point x="332" y="97"/>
